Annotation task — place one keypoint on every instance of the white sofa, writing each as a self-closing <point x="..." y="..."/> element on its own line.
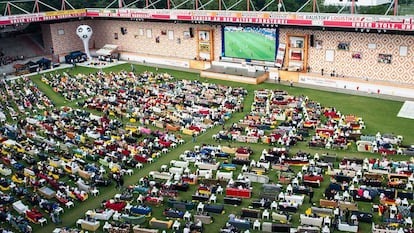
<point x="311" y="221"/>
<point x="346" y="227"/>
<point x="20" y="207"/>
<point x="161" y="175"/>
<point x="105" y="215"/>
<point x="295" y="198"/>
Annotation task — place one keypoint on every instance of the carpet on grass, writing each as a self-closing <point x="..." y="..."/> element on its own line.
<point x="407" y="110"/>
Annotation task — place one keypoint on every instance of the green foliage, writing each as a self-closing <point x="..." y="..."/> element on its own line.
<point x="373" y="9"/>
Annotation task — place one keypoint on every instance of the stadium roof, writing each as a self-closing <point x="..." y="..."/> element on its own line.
<point x="119" y="9"/>
<point x="15" y="7"/>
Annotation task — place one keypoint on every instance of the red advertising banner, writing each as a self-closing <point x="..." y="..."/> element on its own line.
<point x="401" y="23"/>
<point x="43" y="16"/>
<point x="371" y="25"/>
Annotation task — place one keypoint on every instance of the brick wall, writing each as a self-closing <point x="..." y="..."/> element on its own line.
<point x="401" y="68"/>
<point x="46" y="36"/>
<point x="69" y="40"/>
<point x="137" y="40"/>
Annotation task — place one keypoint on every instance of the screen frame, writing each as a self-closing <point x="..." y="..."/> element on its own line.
<point x="223" y="54"/>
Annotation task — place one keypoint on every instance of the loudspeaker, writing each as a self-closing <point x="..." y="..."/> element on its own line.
<point x="191" y="32"/>
<point x="312" y="40"/>
<point x="123" y="31"/>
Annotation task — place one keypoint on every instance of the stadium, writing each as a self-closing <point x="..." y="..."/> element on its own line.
<point x="137" y="116"/>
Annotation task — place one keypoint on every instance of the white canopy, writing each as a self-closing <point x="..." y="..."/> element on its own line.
<point x="107" y="50"/>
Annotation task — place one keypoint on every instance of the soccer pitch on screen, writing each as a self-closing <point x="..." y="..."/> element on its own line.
<point x="250" y="43"/>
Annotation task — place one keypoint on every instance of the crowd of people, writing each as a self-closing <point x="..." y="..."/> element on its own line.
<point x="142" y="99"/>
<point x="42" y="129"/>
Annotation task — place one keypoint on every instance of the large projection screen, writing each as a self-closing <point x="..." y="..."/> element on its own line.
<point x="250" y="43"/>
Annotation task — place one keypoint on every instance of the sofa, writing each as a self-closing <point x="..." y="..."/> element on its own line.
<point x="117" y="206"/>
<point x="256" y="177"/>
<point x="347" y="227"/>
<point x="100" y="215"/>
<point x="84" y="174"/>
<point x="161" y="175"/>
<point x="90" y="225"/>
<point x="5" y="171"/>
<point x="377" y="229"/>
<point x="83" y="186"/>
<point x="47" y="192"/>
<point x="224" y="175"/>
<point x="240" y="162"/>
<point x="250" y="213"/>
<point x="236" y="192"/>
<point x="242" y="156"/>
<point x="272" y="188"/>
<point x="133" y="219"/>
<point x="140" y="189"/>
<point x="262" y="203"/>
<point x="308" y="229"/>
<point x="281" y="217"/>
<point x="343" y="205"/>
<point x="288" y="206"/>
<point x="322" y="212"/>
<point x="181" y="205"/>
<point x="232" y="200"/>
<point x="218" y="209"/>
<point x="301" y="190"/>
<point x="363" y="216"/>
<point x="189" y="131"/>
<point x="200" y="197"/>
<point x="204" y="218"/>
<point x="138" y="229"/>
<point x="274" y="227"/>
<point x="208" y="166"/>
<point x="328" y="203"/>
<point x="20" y="207"/>
<point x="173" y="127"/>
<point x="160" y="224"/>
<point x="229" y="150"/>
<point x="173" y="214"/>
<point x="240" y="223"/>
<point x="143" y="210"/>
<point x="298" y="199"/>
<point x="268" y="195"/>
<point x="311" y="221"/>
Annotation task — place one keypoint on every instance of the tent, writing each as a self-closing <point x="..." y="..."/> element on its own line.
<point x="108" y="50"/>
<point x="44" y="63"/>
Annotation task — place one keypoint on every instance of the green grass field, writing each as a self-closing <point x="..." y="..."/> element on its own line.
<point x="378" y="114"/>
<point x="249" y="45"/>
